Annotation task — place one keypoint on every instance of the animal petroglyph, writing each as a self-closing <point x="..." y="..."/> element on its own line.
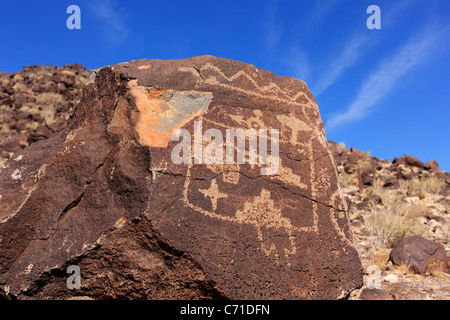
<point x="261" y="212"/>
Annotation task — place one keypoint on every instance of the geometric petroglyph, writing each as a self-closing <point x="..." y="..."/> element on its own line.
<point x="262" y="212"/>
<point x="214" y="194"/>
<point x="270" y="91"/>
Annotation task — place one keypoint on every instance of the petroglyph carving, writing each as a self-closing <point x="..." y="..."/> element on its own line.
<point x="270" y="91"/>
<point x="261" y="212"/>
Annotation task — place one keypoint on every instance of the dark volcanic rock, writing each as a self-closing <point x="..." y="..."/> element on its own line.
<point x="367" y="176"/>
<point x="408" y="160"/>
<point x="105" y="194"/>
<point x="33" y="97"/>
<point x="392" y="183"/>
<point x="421" y="255"/>
<point x="432" y="166"/>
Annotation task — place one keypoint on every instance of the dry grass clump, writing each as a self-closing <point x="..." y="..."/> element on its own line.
<point x="5" y="117"/>
<point x="18" y="78"/>
<point x="414" y="210"/>
<point x="391" y="223"/>
<point x="439" y="274"/>
<point x="346" y="179"/>
<point x="433" y="185"/>
<point x="30" y="108"/>
<point x="341" y="147"/>
<point x="377" y="189"/>
<point x="421" y="188"/>
<point x="43" y="73"/>
<point x="48" y="113"/>
<point x="49" y="98"/>
<point x="380" y="258"/>
<point x="69" y="73"/>
<point x="446" y="204"/>
<point x="363" y="163"/>
<point x="82" y="80"/>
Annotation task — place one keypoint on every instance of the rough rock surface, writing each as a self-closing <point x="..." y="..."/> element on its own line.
<point x="420" y="255"/>
<point x="35" y="103"/>
<point x="105" y="195"/>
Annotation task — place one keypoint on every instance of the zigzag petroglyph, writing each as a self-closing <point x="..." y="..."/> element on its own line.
<point x="262" y="91"/>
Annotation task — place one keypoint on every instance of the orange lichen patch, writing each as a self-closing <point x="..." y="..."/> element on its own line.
<point x="163" y="111"/>
<point x="150" y="105"/>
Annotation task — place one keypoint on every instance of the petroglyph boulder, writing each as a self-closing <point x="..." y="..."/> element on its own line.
<point x="201" y="178"/>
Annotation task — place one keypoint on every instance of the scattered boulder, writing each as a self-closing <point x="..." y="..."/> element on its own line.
<point x="105" y="194"/>
<point x="391" y="183"/>
<point x="356" y="155"/>
<point x="374" y="198"/>
<point x="374" y="294"/>
<point x="432" y="166"/>
<point x="366" y="176"/>
<point x="408" y="160"/>
<point x="420" y="255"/>
<point x="33" y="96"/>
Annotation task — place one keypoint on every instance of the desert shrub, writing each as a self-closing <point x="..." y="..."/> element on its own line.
<point x="446" y="204"/>
<point x="49" y="98"/>
<point x="5" y="116"/>
<point x="377" y="189"/>
<point x="420" y="188"/>
<point x="380" y="257"/>
<point x="43" y="73"/>
<point x="433" y="185"/>
<point x="18" y="78"/>
<point x="391" y="223"/>
<point x="413" y="210"/>
<point x="30" y="108"/>
<point x="346" y="179"/>
<point x="82" y="80"/>
<point x="48" y="113"/>
<point x="341" y="147"/>
<point x="68" y="73"/>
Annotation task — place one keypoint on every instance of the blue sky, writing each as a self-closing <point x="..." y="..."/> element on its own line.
<point x="384" y="91"/>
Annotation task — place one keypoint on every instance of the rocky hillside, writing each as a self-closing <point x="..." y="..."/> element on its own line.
<point x="390" y="201"/>
<point x="35" y="103"/>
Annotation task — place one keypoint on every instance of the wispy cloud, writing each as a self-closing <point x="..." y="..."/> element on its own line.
<point x="350" y="54"/>
<point x="320" y="9"/>
<point x="356" y="46"/>
<point x="273" y="26"/>
<point x="114" y="29"/>
<point x="380" y="83"/>
<point x="296" y="60"/>
<point x="394" y="11"/>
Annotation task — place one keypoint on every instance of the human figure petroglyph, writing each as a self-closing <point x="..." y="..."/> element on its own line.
<point x="293" y="131"/>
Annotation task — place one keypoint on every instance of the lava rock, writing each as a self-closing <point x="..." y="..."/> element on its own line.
<point x="421" y="255"/>
<point x="105" y="194"/>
